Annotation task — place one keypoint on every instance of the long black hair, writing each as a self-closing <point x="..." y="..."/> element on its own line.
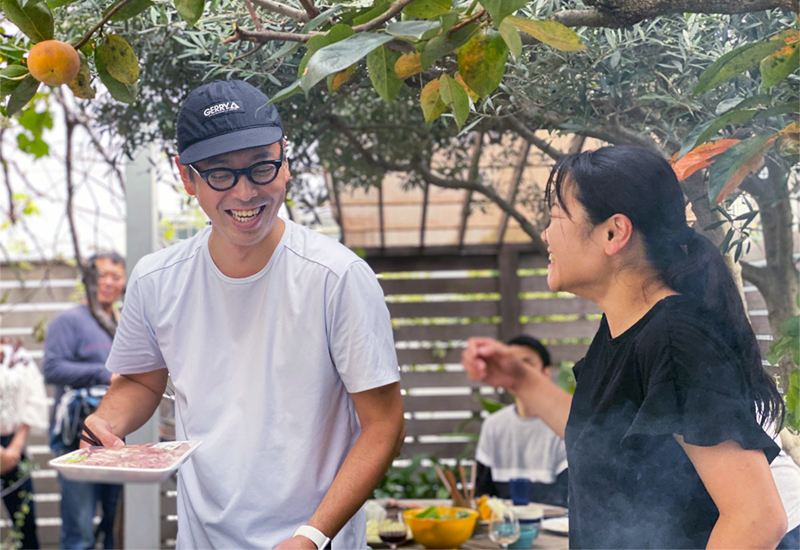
<point x="642" y="186"/>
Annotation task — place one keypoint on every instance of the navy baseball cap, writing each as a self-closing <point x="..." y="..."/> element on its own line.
<point x="224" y="116"/>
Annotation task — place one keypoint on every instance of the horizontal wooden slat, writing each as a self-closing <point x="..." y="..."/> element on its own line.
<point x="567" y="352"/>
<point x="38" y="295"/>
<point x="43" y="485"/>
<point x="444" y="332"/>
<point x="436" y="263"/>
<point x="439" y="286"/>
<point x="39" y="272"/>
<point x="581" y="328"/>
<point x="481" y="308"/>
<point x="440" y="379"/>
<point x="558" y="306"/>
<point x="417" y="403"/>
<point x="761" y="325"/>
<point x="537" y="283"/>
<point x="441" y="427"/>
<point x="28" y="318"/>
<point x="755" y="300"/>
<point x="440" y="450"/>
<point x="428" y="356"/>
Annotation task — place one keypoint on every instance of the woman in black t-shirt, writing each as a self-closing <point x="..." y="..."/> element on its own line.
<point x="663" y="442"/>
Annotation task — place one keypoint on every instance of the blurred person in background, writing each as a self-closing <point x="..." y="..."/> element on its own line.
<point x="75" y="353"/>
<point x="513" y="444"/>
<point x="23" y="410"/>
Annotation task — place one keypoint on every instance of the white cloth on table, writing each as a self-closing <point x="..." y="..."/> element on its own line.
<point x="262" y="368"/>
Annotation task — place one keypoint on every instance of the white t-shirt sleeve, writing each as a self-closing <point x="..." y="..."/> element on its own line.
<point x="360" y="331"/>
<point x="135" y="349"/>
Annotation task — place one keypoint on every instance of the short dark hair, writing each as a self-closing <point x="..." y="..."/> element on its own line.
<point x="534" y="344"/>
<point x="110" y="255"/>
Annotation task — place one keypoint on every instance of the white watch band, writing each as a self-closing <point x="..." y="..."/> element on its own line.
<point x="315" y="535"/>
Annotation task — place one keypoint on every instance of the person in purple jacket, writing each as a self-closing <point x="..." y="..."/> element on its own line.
<point x="75" y="354"/>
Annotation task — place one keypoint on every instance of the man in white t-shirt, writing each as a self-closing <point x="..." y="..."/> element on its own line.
<point x="277" y="341"/>
<point x="515" y="445"/>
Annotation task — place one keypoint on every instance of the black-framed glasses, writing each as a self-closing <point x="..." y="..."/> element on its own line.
<point x="261" y="173"/>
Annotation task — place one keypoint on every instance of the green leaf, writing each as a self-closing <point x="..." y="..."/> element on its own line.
<point x="710" y="129"/>
<point x="777" y="349"/>
<point x="288" y="91"/>
<point x="791" y="327"/>
<point x="120" y="91"/>
<point x="444" y="43"/>
<point x="33" y="18"/>
<point x="754" y="101"/>
<point x="36" y="146"/>
<point x="431" y="101"/>
<point x="490" y="405"/>
<point x="190" y="10"/>
<point x="454" y="94"/>
<point x="340" y="55"/>
<point x="482" y="62"/>
<point x="412" y="30"/>
<point x="15" y="72"/>
<point x="132" y="9"/>
<point x="734" y="62"/>
<point x="551" y="33"/>
<point x="23" y="93"/>
<point x="425" y="9"/>
<point x="316" y="43"/>
<point x="287" y="49"/>
<point x="380" y="64"/>
<point x="500" y="9"/>
<point x="52" y="4"/>
<point x="738" y="156"/>
<point x="119" y="58"/>
<point x="780" y="64"/>
<point x="511" y="36"/>
<point x="777" y="110"/>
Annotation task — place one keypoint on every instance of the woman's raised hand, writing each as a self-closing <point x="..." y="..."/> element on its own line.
<point x="491" y="362"/>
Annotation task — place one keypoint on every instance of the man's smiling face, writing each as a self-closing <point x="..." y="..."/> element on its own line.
<point x="245" y="214"/>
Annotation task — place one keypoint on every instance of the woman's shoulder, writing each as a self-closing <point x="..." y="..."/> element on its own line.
<point x="685" y="341"/>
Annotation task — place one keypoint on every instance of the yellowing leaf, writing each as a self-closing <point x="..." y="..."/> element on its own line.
<point x="81" y="85"/>
<point x="699" y="157"/>
<point x="482" y="62"/>
<point x="431" y="101"/>
<point x="781" y="63"/>
<point x="470" y="92"/>
<point x="734" y="164"/>
<point x="120" y="60"/>
<point x="408" y="65"/>
<point x="551" y="33"/>
<point x="792" y="128"/>
<point x="341" y="77"/>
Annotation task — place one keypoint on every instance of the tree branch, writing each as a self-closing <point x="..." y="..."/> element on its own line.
<point x="282" y="9"/>
<point x="520" y="128"/>
<point x="756" y="275"/>
<point x="310" y="8"/>
<point x="449" y="183"/>
<point x="102" y="22"/>
<point x="11" y="217"/>
<point x="253" y="15"/>
<point x="626" y="13"/>
<point x="262" y="37"/>
<point x="397" y="6"/>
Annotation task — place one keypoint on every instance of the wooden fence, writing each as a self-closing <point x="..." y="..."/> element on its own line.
<point x="437" y="298"/>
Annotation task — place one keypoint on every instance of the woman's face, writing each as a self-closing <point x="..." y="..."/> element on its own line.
<point x="577" y="260"/>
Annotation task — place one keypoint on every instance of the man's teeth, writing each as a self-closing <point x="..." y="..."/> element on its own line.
<point x="550" y="257"/>
<point x="245" y="215"/>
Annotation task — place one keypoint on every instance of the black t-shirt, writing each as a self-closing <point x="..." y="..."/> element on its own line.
<point x="631" y="483"/>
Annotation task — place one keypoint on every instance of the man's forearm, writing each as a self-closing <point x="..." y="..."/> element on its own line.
<point x="362" y="471"/>
<point x="20" y="437"/>
<point x="127" y="405"/>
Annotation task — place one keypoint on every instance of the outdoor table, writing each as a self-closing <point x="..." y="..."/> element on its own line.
<point x="481" y="540"/>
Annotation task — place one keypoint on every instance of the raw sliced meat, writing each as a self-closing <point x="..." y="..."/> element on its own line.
<point x="145" y="455"/>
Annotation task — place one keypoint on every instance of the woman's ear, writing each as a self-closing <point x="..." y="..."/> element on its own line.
<point x="618" y="231"/>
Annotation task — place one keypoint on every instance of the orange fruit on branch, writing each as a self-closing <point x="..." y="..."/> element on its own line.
<point x="54" y="62"/>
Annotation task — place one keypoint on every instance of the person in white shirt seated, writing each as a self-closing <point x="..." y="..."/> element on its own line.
<point x="513" y="444"/>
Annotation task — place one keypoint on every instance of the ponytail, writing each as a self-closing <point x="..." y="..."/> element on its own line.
<point x="642" y="186"/>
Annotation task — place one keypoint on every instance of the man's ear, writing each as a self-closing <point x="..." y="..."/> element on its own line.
<point x="187" y="178"/>
<point x="617" y="232"/>
<point x="547" y="370"/>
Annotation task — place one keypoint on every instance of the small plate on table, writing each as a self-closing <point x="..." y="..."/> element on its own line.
<point x="146" y="463"/>
<point x="559" y="526"/>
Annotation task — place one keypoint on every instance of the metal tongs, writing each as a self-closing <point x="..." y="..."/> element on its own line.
<point x="89" y="436"/>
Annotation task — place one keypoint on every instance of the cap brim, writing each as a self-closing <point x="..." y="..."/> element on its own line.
<point x="234" y="141"/>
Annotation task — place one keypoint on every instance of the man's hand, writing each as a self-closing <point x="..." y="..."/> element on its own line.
<point x="9" y="458"/>
<point x="299" y="541"/>
<point x="491" y="362"/>
<point x="102" y="429"/>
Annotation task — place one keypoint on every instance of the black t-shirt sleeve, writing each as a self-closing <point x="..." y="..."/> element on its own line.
<point x="484" y="484"/>
<point x="695" y="386"/>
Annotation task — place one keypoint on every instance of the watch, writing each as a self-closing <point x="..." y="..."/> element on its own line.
<point x="315" y="535"/>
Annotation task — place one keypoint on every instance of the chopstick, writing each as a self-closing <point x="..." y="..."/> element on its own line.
<point x="473" y="478"/>
<point x="452" y="478"/>
<point x="91" y="438"/>
<point x="463" y="475"/>
<point x="446" y="482"/>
